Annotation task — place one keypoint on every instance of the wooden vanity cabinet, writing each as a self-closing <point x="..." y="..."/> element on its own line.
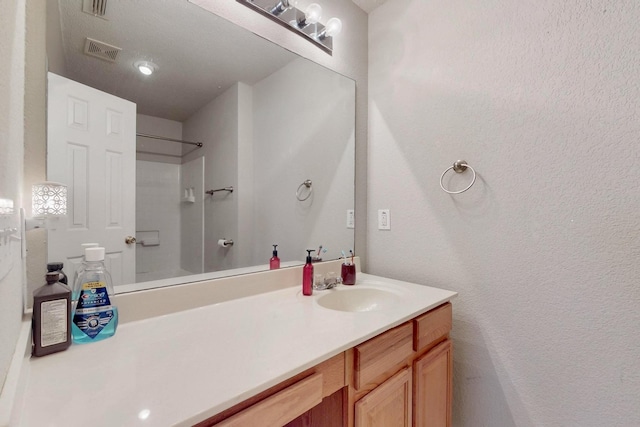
<point x="407" y="372"/>
<point x="388" y="405"/>
<point x="402" y="377"/>
<point x="432" y="387"/>
<point x="314" y="390"/>
<point x="433" y="368"/>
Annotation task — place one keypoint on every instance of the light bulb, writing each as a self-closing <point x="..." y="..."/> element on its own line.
<point x="313" y="13"/>
<point x="145" y="67"/>
<point x="333" y="27"/>
<point x="144" y="414"/>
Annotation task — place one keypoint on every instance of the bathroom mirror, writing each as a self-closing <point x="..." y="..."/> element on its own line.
<point x="268" y="121"/>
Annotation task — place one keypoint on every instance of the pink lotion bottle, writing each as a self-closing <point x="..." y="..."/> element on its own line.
<point x="274" y="262"/>
<point x="307" y="275"/>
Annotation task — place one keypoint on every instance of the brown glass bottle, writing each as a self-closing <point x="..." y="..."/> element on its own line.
<point x="51" y="322"/>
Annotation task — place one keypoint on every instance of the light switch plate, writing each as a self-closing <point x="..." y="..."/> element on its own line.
<point x="384" y="219"/>
<point x="351" y="219"/>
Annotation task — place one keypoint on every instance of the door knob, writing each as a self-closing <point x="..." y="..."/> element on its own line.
<point x="129" y="240"/>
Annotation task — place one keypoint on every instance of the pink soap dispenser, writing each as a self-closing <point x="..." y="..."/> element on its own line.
<point x="274" y="262"/>
<point x="307" y="275"/>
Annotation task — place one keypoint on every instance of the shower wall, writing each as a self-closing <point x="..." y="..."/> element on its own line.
<point x="157" y="219"/>
<point x="192" y="216"/>
<point x="165" y="224"/>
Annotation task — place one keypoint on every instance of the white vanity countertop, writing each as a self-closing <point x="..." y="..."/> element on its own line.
<point x="181" y="368"/>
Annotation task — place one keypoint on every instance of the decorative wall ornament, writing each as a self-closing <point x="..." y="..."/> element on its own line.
<point x="49" y="199"/>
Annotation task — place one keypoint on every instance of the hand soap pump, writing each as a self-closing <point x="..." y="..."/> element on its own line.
<point x="307" y="275"/>
<point x="274" y="262"/>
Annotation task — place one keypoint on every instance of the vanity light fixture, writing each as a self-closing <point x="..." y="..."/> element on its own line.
<point x="305" y="23"/>
<point x="333" y="27"/>
<point x="146" y="67"/>
<point x="312" y="15"/>
<point x="280" y="7"/>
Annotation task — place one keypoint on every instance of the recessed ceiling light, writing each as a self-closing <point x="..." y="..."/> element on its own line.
<point x="145" y="67"/>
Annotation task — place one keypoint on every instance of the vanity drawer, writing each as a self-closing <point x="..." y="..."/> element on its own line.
<point x="382" y="356"/>
<point x="432" y="326"/>
<point x="287" y="400"/>
<point x="282" y="407"/>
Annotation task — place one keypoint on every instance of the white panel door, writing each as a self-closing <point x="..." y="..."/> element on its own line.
<point x="91" y="148"/>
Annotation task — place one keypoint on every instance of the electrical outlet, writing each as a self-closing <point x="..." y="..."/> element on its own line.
<point x="384" y="219"/>
<point x="351" y="219"/>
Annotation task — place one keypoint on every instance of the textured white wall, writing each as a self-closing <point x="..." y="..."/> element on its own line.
<point x="543" y="99"/>
<point x="12" y="77"/>
<point x="53" y="43"/>
<point x="35" y="134"/>
<point x="316" y="144"/>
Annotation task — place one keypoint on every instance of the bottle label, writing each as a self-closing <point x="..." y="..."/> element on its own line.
<point x="93" y="310"/>
<point x="54" y="319"/>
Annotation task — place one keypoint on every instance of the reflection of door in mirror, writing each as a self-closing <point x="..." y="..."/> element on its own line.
<point x="92" y="141"/>
<point x="91" y="137"/>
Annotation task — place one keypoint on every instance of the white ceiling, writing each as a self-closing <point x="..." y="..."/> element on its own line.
<point x="368" y="5"/>
<point x="199" y="54"/>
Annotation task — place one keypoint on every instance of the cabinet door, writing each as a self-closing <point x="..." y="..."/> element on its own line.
<point x="432" y="381"/>
<point x="388" y="405"/>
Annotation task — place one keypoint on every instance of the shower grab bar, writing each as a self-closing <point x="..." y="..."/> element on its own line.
<point x="229" y="189"/>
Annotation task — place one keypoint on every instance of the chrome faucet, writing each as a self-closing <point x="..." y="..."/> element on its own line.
<point x="330" y="281"/>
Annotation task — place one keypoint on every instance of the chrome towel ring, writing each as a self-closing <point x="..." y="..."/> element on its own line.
<point x="306" y="184"/>
<point x="459" y="167"/>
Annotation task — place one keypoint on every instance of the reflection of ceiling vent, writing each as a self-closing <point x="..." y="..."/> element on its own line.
<point x="95" y="7"/>
<point x="101" y="50"/>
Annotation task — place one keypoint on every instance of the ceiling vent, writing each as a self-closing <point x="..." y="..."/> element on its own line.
<point x="95" y="7"/>
<point x="101" y="50"/>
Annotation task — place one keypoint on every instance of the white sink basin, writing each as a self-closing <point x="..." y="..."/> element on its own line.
<point x="358" y="299"/>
